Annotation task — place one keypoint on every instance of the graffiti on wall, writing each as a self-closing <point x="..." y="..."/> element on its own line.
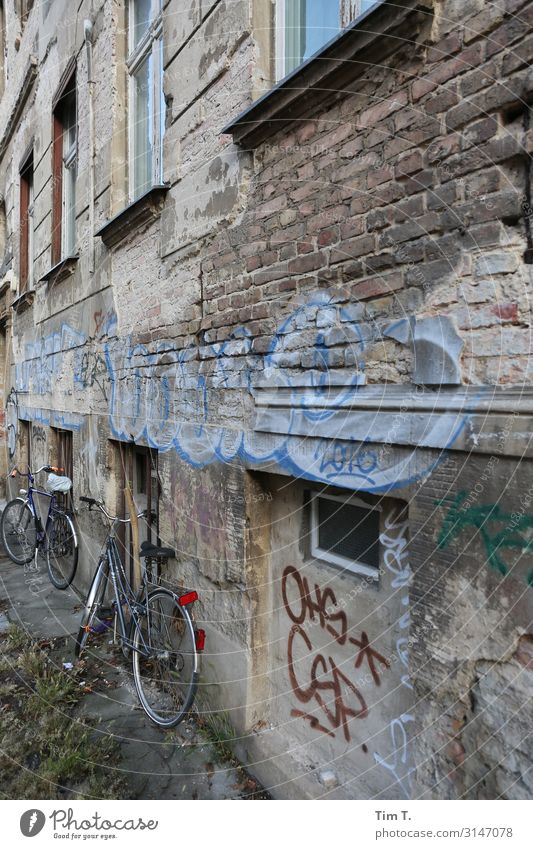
<point x="396" y="561"/>
<point x="12" y="422"/>
<point x="167" y="397"/>
<point x="327" y="689"/>
<point x="44" y="357"/>
<point x="500" y="532"/>
<point x="91" y="370"/>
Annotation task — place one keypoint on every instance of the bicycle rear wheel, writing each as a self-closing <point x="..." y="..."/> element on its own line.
<point x="19" y="534"/>
<point x="61" y="550"/>
<point x="95" y="598"/>
<point x="165" y="660"/>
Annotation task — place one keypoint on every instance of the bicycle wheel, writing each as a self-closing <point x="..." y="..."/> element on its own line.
<point x="165" y="660"/>
<point x="61" y="550"/>
<point x="19" y="534"/>
<point x="95" y="598"/>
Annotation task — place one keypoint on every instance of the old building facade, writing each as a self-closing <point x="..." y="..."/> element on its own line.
<point x="270" y="262"/>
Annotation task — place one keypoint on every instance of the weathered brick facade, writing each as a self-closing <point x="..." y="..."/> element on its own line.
<point x="334" y="301"/>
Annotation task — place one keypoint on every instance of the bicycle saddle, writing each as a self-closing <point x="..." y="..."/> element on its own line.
<point x="148" y="549"/>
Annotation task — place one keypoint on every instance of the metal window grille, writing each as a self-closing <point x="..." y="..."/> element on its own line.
<point x="345" y="532"/>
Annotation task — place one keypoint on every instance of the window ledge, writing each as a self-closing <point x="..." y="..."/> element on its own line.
<point x="328" y="76"/>
<point x="61" y="270"/>
<point x="24" y="301"/>
<point x="146" y="208"/>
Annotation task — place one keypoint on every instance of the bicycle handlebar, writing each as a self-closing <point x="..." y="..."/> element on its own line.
<point x="92" y="502"/>
<point x="16" y="471"/>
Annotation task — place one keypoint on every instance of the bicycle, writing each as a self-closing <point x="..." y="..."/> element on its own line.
<point x="160" y="634"/>
<point x="23" y="533"/>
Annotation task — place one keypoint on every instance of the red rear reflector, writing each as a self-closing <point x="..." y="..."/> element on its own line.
<point x="188" y="598"/>
<point x="200" y="639"/>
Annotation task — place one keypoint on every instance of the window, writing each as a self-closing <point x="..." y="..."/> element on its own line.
<point x="146" y="102"/>
<point x="64" y="459"/>
<point x="345" y="532"/>
<point x="138" y="468"/>
<point x="26" y="225"/>
<point x="24" y="8"/>
<point x="64" y="173"/>
<point x="2" y="48"/>
<point x="304" y="26"/>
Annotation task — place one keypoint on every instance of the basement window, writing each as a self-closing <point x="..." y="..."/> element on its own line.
<point x="345" y="533"/>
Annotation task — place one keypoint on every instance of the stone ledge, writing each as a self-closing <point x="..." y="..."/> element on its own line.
<point x="481" y="419"/>
<point x="146" y="208"/>
<point x="30" y="75"/>
<point x="24" y="301"/>
<point x="329" y="74"/>
<point x="63" y="269"/>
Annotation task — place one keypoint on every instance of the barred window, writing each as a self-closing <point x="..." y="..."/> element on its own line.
<point x="345" y="532"/>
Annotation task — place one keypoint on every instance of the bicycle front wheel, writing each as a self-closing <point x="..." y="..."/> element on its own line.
<point x="19" y="534"/>
<point x="61" y="550"/>
<point x="165" y="660"/>
<point x="95" y="598"/>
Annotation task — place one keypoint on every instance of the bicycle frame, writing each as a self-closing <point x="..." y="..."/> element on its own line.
<point x="122" y="589"/>
<point x="41" y="531"/>
<point x="28" y="499"/>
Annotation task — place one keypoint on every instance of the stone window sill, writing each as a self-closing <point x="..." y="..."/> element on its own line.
<point x="330" y="74"/>
<point x="61" y="270"/>
<point x="145" y="209"/>
<point x="24" y="301"/>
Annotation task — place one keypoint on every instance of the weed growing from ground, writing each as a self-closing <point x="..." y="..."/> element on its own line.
<point x="44" y="752"/>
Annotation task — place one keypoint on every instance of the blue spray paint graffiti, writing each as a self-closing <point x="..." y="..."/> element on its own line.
<point x="394" y="541"/>
<point x="162" y="396"/>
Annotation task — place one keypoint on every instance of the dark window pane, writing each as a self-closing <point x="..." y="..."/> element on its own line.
<point x="349" y="531"/>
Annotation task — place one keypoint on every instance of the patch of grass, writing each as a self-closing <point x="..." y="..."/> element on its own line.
<point x="44" y="752"/>
<point x="221" y="735"/>
<point x="16" y="638"/>
<point x="219" y="730"/>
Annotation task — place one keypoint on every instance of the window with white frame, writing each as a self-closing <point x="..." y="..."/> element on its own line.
<point x="64" y="163"/>
<point x="146" y="102"/>
<point x="345" y="532"/>
<point x="304" y="26"/>
<point x="69" y="175"/>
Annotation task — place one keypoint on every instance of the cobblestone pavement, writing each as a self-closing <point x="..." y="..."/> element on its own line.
<point x="177" y="764"/>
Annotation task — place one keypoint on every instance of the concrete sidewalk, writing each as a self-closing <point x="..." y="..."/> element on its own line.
<point x="176" y="764"/>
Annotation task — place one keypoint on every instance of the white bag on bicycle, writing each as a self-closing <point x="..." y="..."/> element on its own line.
<point x="58" y="483"/>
